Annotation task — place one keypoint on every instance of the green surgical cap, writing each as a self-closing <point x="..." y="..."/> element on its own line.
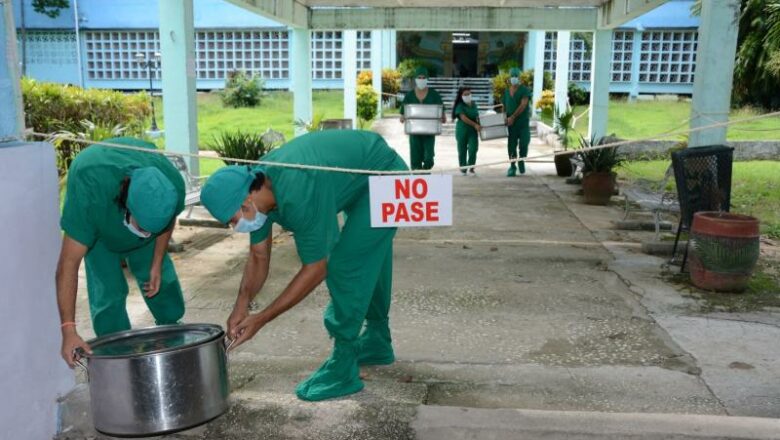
<point x="225" y="190"/>
<point x="421" y="71"/>
<point x="151" y="199"/>
<point x="514" y="72"/>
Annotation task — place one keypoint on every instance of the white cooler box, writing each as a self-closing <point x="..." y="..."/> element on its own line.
<point x="494" y="132"/>
<point x="493" y="126"/>
<point x="423" y="111"/>
<point x="423" y="126"/>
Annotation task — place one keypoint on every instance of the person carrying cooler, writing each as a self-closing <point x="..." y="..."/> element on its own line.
<point x="466" y="113"/>
<point x="421" y="146"/>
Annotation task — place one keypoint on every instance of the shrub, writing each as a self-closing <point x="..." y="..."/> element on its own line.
<point x="564" y="122"/>
<point x="365" y="78"/>
<point x="578" y="95"/>
<point x="367" y="101"/>
<point x="508" y="65"/>
<point x="391" y="83"/>
<point x="53" y="108"/>
<point x="546" y="103"/>
<point x="239" y="145"/>
<point x="500" y="83"/>
<point x="603" y="160"/>
<point x="242" y="90"/>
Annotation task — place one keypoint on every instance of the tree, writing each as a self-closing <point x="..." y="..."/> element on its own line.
<point x="50" y="8"/>
<point x="757" y="64"/>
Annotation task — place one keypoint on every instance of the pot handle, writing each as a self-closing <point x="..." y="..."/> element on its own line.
<point x="228" y="343"/>
<point x="79" y="353"/>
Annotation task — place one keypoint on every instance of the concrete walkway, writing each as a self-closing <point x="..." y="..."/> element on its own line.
<point x="522" y="304"/>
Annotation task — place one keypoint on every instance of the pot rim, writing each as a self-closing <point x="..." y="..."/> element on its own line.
<point x="726" y="217"/>
<point x="148" y="330"/>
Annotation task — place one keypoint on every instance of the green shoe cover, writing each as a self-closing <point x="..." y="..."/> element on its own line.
<point x="511" y="171"/>
<point x="338" y="376"/>
<point x="375" y="345"/>
<point x="521" y="167"/>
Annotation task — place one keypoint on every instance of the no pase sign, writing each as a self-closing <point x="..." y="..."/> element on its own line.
<point x="409" y="201"/>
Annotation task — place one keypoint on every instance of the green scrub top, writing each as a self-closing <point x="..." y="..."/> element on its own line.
<point x="308" y="201"/>
<point x="471" y="111"/>
<point x="511" y="103"/>
<point x="432" y="97"/>
<point x="91" y="212"/>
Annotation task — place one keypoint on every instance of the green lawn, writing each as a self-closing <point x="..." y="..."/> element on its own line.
<point x="643" y="119"/>
<point x="275" y="111"/>
<point x="755" y="188"/>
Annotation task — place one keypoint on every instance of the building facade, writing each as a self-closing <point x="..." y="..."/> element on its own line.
<point x="95" y="43"/>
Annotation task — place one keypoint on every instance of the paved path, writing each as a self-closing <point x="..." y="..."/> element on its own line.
<point x="519" y="305"/>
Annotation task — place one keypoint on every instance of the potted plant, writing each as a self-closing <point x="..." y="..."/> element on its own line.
<point x="598" y="177"/>
<point x="564" y="121"/>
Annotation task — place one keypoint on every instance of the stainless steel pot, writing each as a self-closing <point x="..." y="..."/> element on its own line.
<point x="157" y="380"/>
<point x="423" y="111"/>
<point x="423" y="126"/>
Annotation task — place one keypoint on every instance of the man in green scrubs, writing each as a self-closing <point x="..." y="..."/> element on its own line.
<point x="421" y="147"/>
<point x="120" y="205"/>
<point x="467" y="127"/>
<point x="516" y="101"/>
<point x="355" y="261"/>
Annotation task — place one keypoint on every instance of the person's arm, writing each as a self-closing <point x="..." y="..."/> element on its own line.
<point x="304" y="282"/>
<point x="468" y="121"/>
<point x="152" y="286"/>
<point x="67" y="280"/>
<point x="520" y="109"/>
<point x="255" y="274"/>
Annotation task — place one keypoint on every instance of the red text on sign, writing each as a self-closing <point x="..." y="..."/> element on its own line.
<point x="410" y="212"/>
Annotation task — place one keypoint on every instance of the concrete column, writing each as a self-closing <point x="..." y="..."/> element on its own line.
<point x="538" y="49"/>
<point x="601" y="63"/>
<point x="35" y="375"/>
<point x="300" y="76"/>
<point x="636" y="59"/>
<point x="529" y="50"/>
<point x="180" y="105"/>
<point x="393" y="52"/>
<point x="714" y="70"/>
<point x="11" y="113"/>
<point x="562" y="70"/>
<point x="349" y="75"/>
<point x="376" y="67"/>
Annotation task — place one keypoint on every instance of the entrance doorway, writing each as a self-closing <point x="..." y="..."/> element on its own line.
<point x="465" y="54"/>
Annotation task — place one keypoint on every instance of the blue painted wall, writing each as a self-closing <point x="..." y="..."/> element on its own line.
<point x="140" y="14"/>
<point x="672" y="14"/>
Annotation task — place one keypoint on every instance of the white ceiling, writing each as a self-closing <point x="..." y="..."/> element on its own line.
<point x="452" y="3"/>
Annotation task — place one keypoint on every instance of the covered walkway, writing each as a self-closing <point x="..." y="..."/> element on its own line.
<point x="520" y="305"/>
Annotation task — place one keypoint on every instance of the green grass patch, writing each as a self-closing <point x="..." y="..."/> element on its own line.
<point x="643" y="119"/>
<point x="275" y="111"/>
<point x="755" y="188"/>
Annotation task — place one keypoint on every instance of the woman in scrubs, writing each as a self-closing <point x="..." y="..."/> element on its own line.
<point x="466" y="113"/>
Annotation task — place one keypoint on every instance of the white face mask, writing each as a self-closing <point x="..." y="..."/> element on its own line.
<point x="421" y="83"/>
<point x="514" y="80"/>
<point x="467" y="99"/>
<point x="246" y="226"/>
<point x="137" y="232"/>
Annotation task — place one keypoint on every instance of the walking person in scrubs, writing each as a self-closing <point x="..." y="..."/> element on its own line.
<point x="466" y="113"/>
<point x="355" y="261"/>
<point x="120" y="205"/>
<point x="516" y="101"/>
<point x="421" y="147"/>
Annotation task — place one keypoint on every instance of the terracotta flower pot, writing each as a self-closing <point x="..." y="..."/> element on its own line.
<point x="724" y="250"/>
<point x="598" y="188"/>
<point x="563" y="164"/>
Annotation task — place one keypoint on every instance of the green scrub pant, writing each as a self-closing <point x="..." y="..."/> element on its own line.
<point x="107" y="288"/>
<point x="360" y="274"/>
<point x="468" y="144"/>
<point x="421" y="151"/>
<point x="519" y="134"/>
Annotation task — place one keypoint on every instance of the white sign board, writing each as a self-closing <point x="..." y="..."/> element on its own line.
<point x="409" y="201"/>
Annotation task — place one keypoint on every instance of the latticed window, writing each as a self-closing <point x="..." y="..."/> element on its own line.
<point x="112" y="54"/>
<point x="363" y="50"/>
<point x="326" y="50"/>
<point x="50" y="47"/>
<point x="264" y="53"/>
<point x="668" y="57"/>
<point x="622" y="51"/>
<point x="579" y="57"/>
